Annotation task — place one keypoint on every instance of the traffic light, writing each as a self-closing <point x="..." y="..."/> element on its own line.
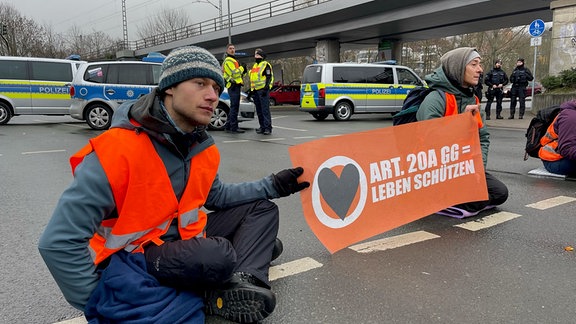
<point x="3" y="30"/>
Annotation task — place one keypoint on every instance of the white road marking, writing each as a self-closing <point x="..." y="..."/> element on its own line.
<point x="552" y="202"/>
<point x="292" y="129"/>
<point x="236" y="141"/>
<point x="393" y="242"/>
<point x="332" y="135"/>
<point x="41" y="152"/>
<point x="304" y="137"/>
<point x="272" y="139"/>
<point x="293" y="267"/>
<point x="488" y="221"/>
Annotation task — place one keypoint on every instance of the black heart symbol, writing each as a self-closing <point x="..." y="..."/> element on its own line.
<point x="339" y="192"/>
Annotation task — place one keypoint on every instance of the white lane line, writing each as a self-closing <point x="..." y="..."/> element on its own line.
<point x="41" y="152"/>
<point x="393" y="242"/>
<point x="292" y="268"/>
<point x="292" y="129"/>
<point x="488" y="221"/>
<point x="552" y="202"/>
<point x="304" y="137"/>
<point x="272" y="139"/>
<point x="236" y="141"/>
<point x="332" y="135"/>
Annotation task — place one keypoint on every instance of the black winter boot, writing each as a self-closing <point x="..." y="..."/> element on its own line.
<point x="244" y="299"/>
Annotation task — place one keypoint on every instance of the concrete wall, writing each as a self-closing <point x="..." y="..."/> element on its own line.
<point x="547" y="100"/>
<point x="563" y="49"/>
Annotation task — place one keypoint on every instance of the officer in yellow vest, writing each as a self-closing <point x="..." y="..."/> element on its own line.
<point x="233" y="73"/>
<point x="261" y="81"/>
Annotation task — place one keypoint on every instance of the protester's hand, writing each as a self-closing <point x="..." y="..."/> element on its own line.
<point x="286" y="181"/>
<point x="474" y="109"/>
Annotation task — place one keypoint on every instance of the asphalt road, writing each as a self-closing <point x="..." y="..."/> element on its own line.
<point x="505" y="266"/>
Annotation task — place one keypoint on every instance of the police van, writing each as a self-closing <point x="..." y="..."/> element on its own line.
<point x="344" y="89"/>
<point x="35" y="86"/>
<point x="99" y="88"/>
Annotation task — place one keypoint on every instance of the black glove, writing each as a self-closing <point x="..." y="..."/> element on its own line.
<point x="286" y="181"/>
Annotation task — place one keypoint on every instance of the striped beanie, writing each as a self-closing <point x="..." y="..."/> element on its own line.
<point x="189" y="62"/>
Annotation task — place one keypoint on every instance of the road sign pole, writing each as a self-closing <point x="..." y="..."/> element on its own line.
<point x="534" y="75"/>
<point x="536" y="29"/>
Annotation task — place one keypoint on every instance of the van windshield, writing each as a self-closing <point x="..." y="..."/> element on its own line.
<point x="312" y="74"/>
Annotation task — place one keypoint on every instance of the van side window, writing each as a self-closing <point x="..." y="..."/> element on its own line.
<point x="380" y="75"/>
<point x="342" y="74"/>
<point x="51" y="71"/>
<point x="407" y="77"/>
<point x="14" y="70"/>
<point x="96" y="74"/>
<point x="136" y="74"/>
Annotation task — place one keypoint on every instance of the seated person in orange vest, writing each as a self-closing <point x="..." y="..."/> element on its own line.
<point x="138" y="197"/>
<point x="558" y="151"/>
<point x="457" y="77"/>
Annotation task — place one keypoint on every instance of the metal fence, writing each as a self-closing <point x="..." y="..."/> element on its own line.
<point x="246" y="16"/>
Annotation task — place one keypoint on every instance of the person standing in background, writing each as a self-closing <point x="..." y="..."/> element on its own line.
<point x="261" y="80"/>
<point x="496" y="79"/>
<point x="233" y="73"/>
<point x="519" y="78"/>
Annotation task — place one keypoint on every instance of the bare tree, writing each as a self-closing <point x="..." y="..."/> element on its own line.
<point x="167" y="20"/>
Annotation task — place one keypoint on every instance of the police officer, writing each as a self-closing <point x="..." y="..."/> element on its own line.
<point x="233" y="73"/>
<point x="496" y="79"/>
<point x="261" y="81"/>
<point x="519" y="78"/>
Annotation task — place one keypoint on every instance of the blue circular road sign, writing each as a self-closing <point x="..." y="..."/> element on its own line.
<point x="536" y="28"/>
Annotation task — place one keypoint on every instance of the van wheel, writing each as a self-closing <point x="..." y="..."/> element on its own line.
<point x="319" y="116"/>
<point x="5" y="113"/>
<point x="219" y="118"/>
<point x="342" y="111"/>
<point x="98" y="116"/>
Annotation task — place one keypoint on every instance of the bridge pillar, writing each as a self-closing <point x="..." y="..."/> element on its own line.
<point x="328" y="51"/>
<point x="389" y="49"/>
<point x="563" y="49"/>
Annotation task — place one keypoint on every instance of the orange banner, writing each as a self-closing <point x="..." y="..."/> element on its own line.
<point x="367" y="183"/>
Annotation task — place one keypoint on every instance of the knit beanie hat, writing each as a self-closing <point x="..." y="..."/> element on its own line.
<point x="189" y="62"/>
<point x="454" y="62"/>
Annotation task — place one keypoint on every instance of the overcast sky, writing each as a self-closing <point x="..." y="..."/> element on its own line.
<point x="106" y="15"/>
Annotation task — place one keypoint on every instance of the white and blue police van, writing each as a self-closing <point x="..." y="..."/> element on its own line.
<point x="344" y="89"/>
<point x="99" y="88"/>
<point x="35" y="86"/>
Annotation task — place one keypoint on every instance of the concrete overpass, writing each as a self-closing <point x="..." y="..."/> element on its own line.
<point x="297" y="28"/>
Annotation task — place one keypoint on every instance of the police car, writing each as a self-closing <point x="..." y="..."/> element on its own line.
<point x="35" y="86"/>
<point x="99" y="88"/>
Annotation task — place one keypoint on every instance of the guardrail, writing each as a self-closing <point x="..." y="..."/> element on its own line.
<point x="249" y="15"/>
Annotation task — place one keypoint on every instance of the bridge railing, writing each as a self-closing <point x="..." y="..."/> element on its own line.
<point x="252" y="14"/>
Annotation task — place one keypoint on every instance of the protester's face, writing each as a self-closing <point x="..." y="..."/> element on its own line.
<point x="231" y="50"/>
<point x="191" y="103"/>
<point x="472" y="73"/>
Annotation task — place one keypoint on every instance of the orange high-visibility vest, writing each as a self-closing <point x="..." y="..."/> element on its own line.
<point x="452" y="108"/>
<point x="145" y="200"/>
<point x="549" y="144"/>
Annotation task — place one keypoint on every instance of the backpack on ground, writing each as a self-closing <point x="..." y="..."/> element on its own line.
<point x="411" y="104"/>
<point x="537" y="129"/>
